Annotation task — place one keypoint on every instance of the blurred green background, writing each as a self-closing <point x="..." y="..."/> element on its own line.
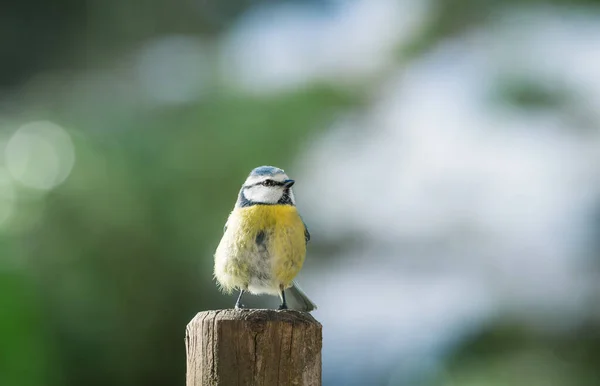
<point x="125" y="136"/>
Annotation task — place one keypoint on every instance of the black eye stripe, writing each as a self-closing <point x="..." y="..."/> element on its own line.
<point x="268" y="183"/>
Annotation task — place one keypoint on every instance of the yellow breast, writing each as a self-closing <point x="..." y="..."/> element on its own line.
<point x="282" y="230"/>
<point x="271" y="217"/>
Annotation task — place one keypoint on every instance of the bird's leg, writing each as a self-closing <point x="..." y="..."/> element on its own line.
<point x="283" y="305"/>
<point x="238" y="303"/>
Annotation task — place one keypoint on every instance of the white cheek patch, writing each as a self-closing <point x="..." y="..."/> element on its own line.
<point x="264" y="194"/>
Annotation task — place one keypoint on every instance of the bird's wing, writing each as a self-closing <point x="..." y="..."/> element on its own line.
<point x="306" y="233"/>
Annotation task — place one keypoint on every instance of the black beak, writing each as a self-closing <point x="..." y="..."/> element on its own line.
<point x="288" y="183"/>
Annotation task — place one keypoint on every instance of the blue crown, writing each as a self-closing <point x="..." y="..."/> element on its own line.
<point x="266" y="171"/>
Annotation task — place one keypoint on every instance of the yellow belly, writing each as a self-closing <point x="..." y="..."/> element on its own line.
<point x="240" y="261"/>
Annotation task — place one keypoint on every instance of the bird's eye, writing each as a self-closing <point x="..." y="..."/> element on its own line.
<point x="269" y="183"/>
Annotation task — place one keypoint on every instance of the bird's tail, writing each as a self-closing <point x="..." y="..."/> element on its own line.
<point x="300" y="297"/>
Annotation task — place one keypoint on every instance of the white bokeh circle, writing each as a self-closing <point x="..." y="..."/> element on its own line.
<point x="40" y="155"/>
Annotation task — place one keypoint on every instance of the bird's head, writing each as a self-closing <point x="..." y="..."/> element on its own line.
<point x="266" y="185"/>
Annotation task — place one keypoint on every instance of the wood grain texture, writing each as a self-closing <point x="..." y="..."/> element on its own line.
<point x="253" y="348"/>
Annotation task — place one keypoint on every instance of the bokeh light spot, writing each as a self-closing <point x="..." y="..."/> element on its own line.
<point x="40" y="155"/>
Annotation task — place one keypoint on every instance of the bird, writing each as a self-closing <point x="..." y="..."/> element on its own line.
<point x="264" y="242"/>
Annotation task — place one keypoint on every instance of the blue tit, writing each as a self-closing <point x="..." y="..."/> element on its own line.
<point x="264" y="243"/>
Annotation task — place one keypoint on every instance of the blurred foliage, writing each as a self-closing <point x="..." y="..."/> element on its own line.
<point x="99" y="277"/>
<point x="122" y="258"/>
<point x="25" y="353"/>
<point x="528" y="94"/>
<point x="39" y="35"/>
<point x="510" y="355"/>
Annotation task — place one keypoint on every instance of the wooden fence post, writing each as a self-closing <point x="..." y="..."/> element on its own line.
<point x="253" y="348"/>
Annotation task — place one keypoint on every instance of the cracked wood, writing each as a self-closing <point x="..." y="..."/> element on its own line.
<point x="253" y="348"/>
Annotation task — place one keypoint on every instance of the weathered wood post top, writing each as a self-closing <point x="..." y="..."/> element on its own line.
<point x="253" y="348"/>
